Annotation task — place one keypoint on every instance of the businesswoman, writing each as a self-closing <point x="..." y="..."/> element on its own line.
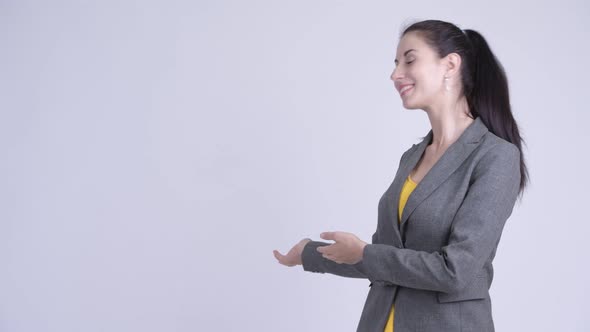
<point x="439" y="223"/>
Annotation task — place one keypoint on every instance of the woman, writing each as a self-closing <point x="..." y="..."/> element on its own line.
<point x="440" y="221"/>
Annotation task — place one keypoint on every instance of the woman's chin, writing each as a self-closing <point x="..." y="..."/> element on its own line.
<point x="409" y="105"/>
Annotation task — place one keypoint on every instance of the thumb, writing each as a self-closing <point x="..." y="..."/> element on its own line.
<point x="328" y="236"/>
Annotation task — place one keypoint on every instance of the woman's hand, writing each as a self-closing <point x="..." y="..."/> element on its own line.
<point x="347" y="249"/>
<point x="293" y="257"/>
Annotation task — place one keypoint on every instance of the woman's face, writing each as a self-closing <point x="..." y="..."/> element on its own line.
<point x="419" y="73"/>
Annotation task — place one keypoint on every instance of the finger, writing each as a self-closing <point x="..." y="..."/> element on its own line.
<point x="331" y="249"/>
<point x="328" y="236"/>
<point x="332" y="258"/>
<point x="325" y="249"/>
<point x="280" y="257"/>
<point x="276" y="254"/>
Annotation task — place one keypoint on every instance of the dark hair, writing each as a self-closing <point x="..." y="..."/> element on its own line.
<point x="484" y="82"/>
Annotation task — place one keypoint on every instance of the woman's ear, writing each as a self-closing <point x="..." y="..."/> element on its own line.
<point x="453" y="64"/>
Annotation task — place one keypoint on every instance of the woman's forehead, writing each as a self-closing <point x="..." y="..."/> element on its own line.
<point x="409" y="42"/>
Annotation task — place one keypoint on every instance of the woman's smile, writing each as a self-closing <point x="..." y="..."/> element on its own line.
<point x="405" y="90"/>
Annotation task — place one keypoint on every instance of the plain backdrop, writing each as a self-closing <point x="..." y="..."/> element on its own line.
<point x="154" y="153"/>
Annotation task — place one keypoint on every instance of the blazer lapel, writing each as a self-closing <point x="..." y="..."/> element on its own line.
<point x="451" y="159"/>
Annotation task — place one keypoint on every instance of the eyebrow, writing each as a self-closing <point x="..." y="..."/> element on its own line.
<point x="406" y="53"/>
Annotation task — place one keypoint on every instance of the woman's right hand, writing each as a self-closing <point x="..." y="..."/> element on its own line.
<point x="293" y="257"/>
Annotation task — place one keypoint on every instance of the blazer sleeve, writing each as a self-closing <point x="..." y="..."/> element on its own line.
<point x="475" y="233"/>
<point x="313" y="261"/>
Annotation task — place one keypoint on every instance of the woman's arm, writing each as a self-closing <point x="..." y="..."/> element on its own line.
<point x="313" y="261"/>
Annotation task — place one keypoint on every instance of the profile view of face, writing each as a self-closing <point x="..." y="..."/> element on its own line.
<point x="419" y="73"/>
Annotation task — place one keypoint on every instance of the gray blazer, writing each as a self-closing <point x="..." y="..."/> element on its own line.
<point x="437" y="265"/>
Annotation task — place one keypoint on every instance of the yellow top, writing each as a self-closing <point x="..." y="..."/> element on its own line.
<point x="408" y="187"/>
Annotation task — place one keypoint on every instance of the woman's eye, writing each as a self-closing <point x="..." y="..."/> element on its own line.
<point x="407" y="62"/>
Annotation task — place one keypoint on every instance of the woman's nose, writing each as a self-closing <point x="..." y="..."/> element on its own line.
<point x="395" y="75"/>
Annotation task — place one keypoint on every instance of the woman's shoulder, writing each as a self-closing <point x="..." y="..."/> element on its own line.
<point x="495" y="151"/>
<point x="491" y="141"/>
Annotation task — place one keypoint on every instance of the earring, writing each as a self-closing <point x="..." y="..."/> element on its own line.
<point x="446" y="84"/>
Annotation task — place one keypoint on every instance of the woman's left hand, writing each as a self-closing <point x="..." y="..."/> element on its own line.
<point x="347" y="249"/>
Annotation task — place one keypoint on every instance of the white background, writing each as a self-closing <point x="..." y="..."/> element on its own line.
<point x="154" y="153"/>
